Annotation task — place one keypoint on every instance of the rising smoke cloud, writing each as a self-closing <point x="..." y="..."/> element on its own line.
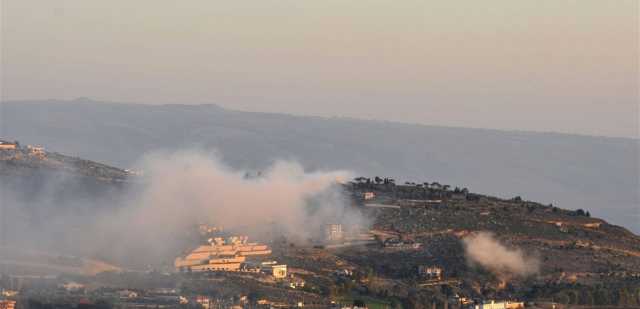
<point x="187" y="188"/>
<point x="485" y="250"/>
<point x="147" y="224"/>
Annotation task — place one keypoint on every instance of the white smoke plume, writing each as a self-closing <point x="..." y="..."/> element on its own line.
<point x="485" y="250"/>
<point x="189" y="188"/>
<point x="147" y="224"/>
<point x="184" y="189"/>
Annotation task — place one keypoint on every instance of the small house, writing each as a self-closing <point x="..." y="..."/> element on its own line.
<point x="430" y="272"/>
<point x="278" y="271"/>
<point x="369" y="196"/>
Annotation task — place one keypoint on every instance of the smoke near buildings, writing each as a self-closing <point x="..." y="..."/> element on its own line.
<point x="149" y="221"/>
<point x="485" y="250"/>
<point x="188" y="188"/>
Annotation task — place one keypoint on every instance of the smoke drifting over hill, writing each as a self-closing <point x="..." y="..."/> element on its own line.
<point x="150" y="220"/>
<point x="484" y="250"/>
<point x="189" y="188"/>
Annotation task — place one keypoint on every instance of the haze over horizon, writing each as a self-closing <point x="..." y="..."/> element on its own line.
<point x="545" y="66"/>
<point x="84" y="100"/>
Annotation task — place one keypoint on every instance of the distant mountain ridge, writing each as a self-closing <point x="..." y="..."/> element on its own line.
<point x="594" y="173"/>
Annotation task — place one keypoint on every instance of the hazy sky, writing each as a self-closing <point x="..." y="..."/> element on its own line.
<point x="546" y="65"/>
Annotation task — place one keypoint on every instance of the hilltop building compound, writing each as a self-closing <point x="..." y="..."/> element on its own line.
<point x="221" y="254"/>
<point x="5" y="145"/>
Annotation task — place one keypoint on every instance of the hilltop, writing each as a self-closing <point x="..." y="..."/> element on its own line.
<point x="16" y="160"/>
<point x="31" y="172"/>
<point x="572" y="245"/>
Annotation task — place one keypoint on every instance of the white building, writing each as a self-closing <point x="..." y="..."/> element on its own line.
<point x="369" y="195"/>
<point x="333" y="232"/>
<point x="500" y="305"/>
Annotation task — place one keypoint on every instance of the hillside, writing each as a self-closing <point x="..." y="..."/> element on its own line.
<point x="595" y="248"/>
<point x="25" y="161"/>
<point x="414" y="225"/>
<point x="593" y="173"/>
<point x="580" y="257"/>
<point x="32" y="173"/>
<point x="46" y="197"/>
